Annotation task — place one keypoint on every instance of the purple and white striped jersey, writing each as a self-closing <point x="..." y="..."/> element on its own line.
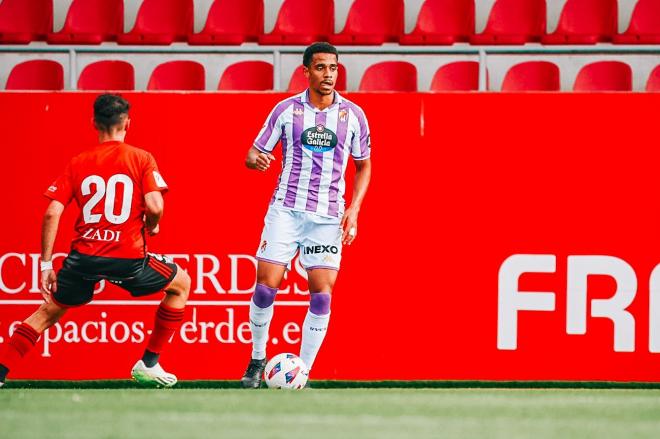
<point x="316" y="145"/>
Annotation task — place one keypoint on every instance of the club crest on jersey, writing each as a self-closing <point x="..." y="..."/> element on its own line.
<point x="318" y="139"/>
<point x="298" y="111"/>
<point x="343" y="115"/>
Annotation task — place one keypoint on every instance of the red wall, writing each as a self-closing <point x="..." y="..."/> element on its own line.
<point x="461" y="182"/>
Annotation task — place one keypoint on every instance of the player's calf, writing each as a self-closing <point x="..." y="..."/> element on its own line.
<point x="26" y="335"/>
<point x="315" y="327"/>
<point x="169" y="317"/>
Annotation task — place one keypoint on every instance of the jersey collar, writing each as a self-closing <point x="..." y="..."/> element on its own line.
<point x="304" y="98"/>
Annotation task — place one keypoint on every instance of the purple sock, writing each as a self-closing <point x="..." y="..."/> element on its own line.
<point x="319" y="304"/>
<point x="264" y="296"/>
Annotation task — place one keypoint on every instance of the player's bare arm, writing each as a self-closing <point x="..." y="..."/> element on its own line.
<point x="258" y="160"/>
<point x="154" y="206"/>
<point x="49" y="228"/>
<point x="350" y="219"/>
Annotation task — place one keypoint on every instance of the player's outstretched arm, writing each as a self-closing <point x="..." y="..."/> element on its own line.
<point x="350" y="218"/>
<point x="258" y="160"/>
<point x="49" y="228"/>
<point x="154" y="204"/>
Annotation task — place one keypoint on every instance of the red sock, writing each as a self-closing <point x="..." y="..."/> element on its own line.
<point x="168" y="320"/>
<point x="20" y="343"/>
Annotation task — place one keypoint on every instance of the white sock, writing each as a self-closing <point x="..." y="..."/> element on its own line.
<point x="259" y="322"/>
<point x="313" y="333"/>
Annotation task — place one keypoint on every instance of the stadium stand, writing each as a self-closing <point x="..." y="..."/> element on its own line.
<point x="107" y="75"/>
<point x="280" y="26"/>
<point x="585" y="22"/>
<point x="247" y="75"/>
<point x="36" y="75"/>
<point x="604" y="76"/>
<point x="456" y="76"/>
<point x="231" y="22"/>
<point x="178" y="75"/>
<point x="91" y="22"/>
<point x="532" y="76"/>
<point x="644" y="27"/>
<point x="442" y="22"/>
<point x="390" y="76"/>
<point x="161" y="22"/>
<point x="24" y="21"/>
<point x="653" y="83"/>
<point x="372" y="22"/>
<point x="513" y="22"/>
<point x="299" y="22"/>
<point x="299" y="82"/>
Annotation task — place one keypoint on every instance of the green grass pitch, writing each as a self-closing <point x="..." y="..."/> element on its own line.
<point x="190" y="413"/>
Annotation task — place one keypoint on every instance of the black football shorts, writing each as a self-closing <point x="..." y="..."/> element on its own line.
<point x="80" y="273"/>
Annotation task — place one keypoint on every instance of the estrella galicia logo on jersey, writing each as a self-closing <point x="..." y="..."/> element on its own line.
<point x="319" y="139"/>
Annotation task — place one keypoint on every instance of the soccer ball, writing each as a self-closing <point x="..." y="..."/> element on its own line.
<point x="286" y="371"/>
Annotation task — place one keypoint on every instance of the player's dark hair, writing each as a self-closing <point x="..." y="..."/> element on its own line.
<point x="318" y="48"/>
<point x="110" y="110"/>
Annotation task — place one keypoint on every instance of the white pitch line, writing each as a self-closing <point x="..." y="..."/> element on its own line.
<point x="156" y="302"/>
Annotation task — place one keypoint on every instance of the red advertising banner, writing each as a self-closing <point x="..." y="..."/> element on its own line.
<point x="504" y="237"/>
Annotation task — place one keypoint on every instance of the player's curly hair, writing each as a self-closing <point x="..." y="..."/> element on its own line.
<point x="318" y="48"/>
<point x="110" y="110"/>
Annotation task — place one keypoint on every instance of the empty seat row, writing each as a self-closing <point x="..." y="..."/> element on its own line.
<point x="173" y="75"/>
<point x="525" y="76"/>
<point x="383" y="76"/>
<point x="300" y="22"/>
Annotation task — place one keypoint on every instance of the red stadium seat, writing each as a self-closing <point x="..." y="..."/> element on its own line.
<point x="299" y="82"/>
<point x="107" y="75"/>
<point x="442" y="22"/>
<point x="585" y="22"/>
<point x="532" y="76"/>
<point x="247" y="75"/>
<point x="371" y="22"/>
<point x="23" y="21"/>
<point x="302" y="22"/>
<point x="513" y="22"/>
<point x="653" y="83"/>
<point x="91" y="22"/>
<point x="604" y="76"/>
<point x="390" y="76"/>
<point x="644" y="25"/>
<point x="456" y="76"/>
<point x="38" y="74"/>
<point x="178" y="75"/>
<point x="231" y="22"/>
<point x="161" y="22"/>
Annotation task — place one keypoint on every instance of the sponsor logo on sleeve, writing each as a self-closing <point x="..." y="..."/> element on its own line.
<point x="159" y="179"/>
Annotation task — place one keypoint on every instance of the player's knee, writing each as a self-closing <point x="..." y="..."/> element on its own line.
<point x="180" y="287"/>
<point x="319" y="303"/>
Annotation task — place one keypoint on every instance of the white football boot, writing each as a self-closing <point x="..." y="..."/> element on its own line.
<point x="152" y="376"/>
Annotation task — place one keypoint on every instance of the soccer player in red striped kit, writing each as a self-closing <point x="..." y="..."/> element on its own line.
<point x="120" y="194"/>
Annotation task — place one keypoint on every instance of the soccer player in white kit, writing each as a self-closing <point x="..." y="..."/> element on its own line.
<point x="319" y="131"/>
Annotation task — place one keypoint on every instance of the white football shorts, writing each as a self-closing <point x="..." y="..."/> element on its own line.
<point x="286" y="231"/>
